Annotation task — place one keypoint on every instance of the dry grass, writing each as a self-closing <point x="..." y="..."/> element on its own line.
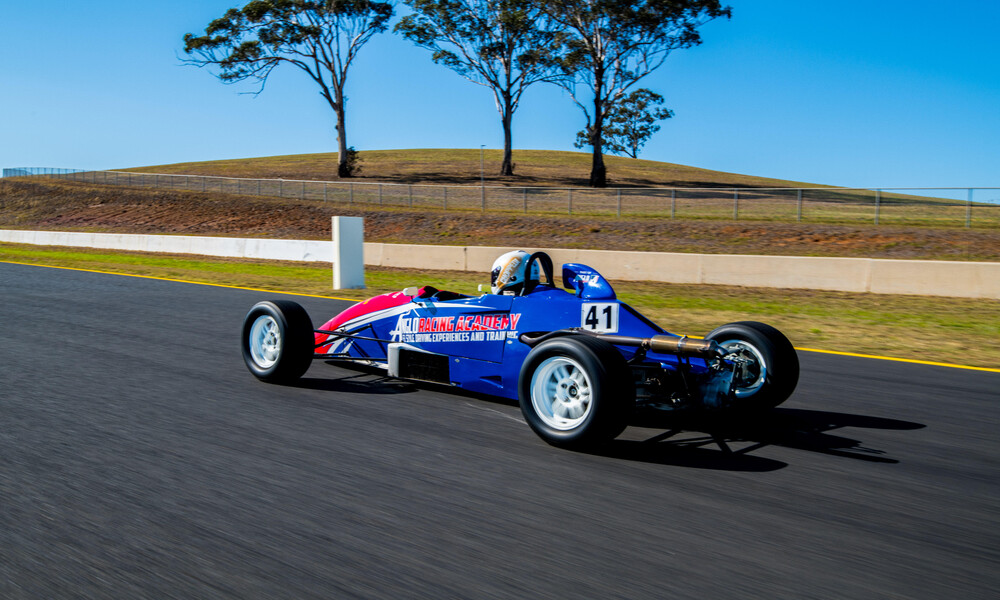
<point x="127" y="208"/>
<point x="456" y="166"/>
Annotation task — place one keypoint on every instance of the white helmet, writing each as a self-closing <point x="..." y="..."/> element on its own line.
<point x="508" y="274"/>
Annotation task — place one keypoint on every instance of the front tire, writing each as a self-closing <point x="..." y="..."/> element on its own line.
<point x="277" y="341"/>
<point x="575" y="391"/>
<point x="772" y="371"/>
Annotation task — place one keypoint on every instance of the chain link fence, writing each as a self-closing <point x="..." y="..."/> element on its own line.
<point x="968" y="207"/>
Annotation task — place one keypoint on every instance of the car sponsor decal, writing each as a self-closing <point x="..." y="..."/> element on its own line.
<point x="356" y="318"/>
<point x="456" y="328"/>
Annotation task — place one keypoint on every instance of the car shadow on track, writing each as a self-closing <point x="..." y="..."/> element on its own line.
<point x="709" y="442"/>
<point x="728" y="444"/>
<point x="361" y="383"/>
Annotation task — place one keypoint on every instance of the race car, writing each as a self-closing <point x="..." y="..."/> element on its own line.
<point x="579" y="361"/>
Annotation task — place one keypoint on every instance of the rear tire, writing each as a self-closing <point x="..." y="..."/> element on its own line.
<point x="277" y="341"/>
<point x="576" y="391"/>
<point x="772" y="375"/>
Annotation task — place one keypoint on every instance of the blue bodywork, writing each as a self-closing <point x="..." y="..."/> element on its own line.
<point x="479" y="335"/>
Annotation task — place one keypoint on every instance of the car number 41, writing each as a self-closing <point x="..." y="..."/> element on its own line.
<point x="601" y="317"/>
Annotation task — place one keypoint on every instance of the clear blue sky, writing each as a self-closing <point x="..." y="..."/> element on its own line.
<point x="854" y="93"/>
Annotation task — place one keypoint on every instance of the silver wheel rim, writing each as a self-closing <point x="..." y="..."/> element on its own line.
<point x="561" y="393"/>
<point x="750" y="377"/>
<point x="265" y="341"/>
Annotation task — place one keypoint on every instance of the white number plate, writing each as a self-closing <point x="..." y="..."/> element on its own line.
<point x="601" y="317"/>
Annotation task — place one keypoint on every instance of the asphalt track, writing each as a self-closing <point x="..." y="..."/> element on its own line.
<point x="139" y="459"/>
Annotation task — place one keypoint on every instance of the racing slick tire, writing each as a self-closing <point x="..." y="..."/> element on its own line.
<point x="576" y="392"/>
<point x="771" y="376"/>
<point x="277" y="341"/>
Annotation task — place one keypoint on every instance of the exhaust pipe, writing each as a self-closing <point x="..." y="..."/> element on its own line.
<point x="668" y="344"/>
<point x="665" y="344"/>
<point x="661" y="344"/>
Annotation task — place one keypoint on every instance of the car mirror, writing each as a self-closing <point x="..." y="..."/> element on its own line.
<point x="410" y="291"/>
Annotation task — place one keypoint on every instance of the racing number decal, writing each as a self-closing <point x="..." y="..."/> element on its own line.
<point x="600" y="317"/>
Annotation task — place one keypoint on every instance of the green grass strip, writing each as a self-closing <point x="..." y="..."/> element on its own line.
<point x="933" y="329"/>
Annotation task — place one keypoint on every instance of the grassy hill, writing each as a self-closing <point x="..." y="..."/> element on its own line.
<point x="460" y="167"/>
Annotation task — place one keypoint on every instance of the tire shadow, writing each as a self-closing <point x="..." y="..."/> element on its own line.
<point x="729" y="443"/>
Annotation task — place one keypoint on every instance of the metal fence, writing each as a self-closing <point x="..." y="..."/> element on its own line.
<point x="968" y="207"/>
<point x="28" y="171"/>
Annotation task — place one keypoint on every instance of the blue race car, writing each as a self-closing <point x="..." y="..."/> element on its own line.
<point x="579" y="361"/>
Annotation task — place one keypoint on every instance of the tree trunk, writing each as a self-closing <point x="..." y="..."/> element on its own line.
<point x="598" y="173"/>
<point x="343" y="169"/>
<point x="507" y="166"/>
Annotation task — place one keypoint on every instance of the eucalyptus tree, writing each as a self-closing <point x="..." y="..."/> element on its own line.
<point x="320" y="37"/>
<point x="630" y="122"/>
<point x="613" y="44"/>
<point x="503" y="45"/>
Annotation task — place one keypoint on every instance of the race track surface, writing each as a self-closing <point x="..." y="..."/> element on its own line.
<point x="139" y="458"/>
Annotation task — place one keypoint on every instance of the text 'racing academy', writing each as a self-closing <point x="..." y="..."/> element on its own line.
<point x="455" y="328"/>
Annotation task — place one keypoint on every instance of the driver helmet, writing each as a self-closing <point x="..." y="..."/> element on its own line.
<point x="509" y="272"/>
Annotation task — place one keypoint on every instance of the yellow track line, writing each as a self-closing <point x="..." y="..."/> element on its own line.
<point x="236" y="287"/>
<point x="220" y="285"/>
<point x="905" y="360"/>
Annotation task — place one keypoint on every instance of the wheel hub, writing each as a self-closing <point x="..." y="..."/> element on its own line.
<point x="265" y="341"/>
<point x="561" y="393"/>
<point x="750" y="372"/>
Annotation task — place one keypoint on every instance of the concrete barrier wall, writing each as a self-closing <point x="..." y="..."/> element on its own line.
<point x="299" y="250"/>
<point x="880" y="276"/>
<point x="935" y="278"/>
<point x="917" y="277"/>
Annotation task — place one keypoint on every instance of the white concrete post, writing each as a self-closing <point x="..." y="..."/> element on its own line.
<point x="348" y="253"/>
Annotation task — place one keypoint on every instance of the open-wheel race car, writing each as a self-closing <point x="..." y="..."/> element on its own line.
<point x="579" y="361"/>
